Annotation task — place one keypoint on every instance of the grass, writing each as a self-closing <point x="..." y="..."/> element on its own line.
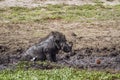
<point x="56" y="74"/>
<point x="60" y="12"/>
<point x="21" y="73"/>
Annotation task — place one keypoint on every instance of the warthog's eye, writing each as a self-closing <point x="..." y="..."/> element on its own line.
<point x="57" y="41"/>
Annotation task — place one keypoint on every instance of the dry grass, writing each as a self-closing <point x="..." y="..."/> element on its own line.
<point x="84" y="13"/>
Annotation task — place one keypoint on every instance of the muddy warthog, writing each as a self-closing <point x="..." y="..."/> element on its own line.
<point x="48" y="47"/>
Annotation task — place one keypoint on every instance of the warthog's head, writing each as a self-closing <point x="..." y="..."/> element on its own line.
<point x="61" y="42"/>
<point x="66" y="46"/>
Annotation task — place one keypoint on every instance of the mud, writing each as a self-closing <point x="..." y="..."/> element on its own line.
<point x="85" y="58"/>
<point x="93" y="59"/>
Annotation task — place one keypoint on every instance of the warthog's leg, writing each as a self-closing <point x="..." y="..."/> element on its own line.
<point x="52" y="57"/>
<point x="41" y="57"/>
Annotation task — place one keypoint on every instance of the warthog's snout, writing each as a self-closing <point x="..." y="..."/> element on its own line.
<point x="67" y="47"/>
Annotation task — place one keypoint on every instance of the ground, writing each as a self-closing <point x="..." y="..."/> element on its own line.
<point x="35" y="3"/>
<point x="94" y="30"/>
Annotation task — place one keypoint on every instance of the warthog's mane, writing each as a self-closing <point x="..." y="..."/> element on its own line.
<point x="56" y="34"/>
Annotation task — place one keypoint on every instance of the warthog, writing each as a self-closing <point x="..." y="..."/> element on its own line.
<point x="48" y="48"/>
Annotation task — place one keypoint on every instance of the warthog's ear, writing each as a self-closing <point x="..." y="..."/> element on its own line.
<point x="56" y="37"/>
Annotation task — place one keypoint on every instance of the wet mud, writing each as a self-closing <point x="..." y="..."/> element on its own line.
<point x="93" y="59"/>
<point x="84" y="58"/>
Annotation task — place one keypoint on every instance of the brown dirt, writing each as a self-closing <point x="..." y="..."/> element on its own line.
<point x="93" y="42"/>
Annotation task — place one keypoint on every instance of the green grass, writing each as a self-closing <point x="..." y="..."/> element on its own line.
<point x="60" y="12"/>
<point x="23" y="73"/>
<point x="64" y="73"/>
<point x="56" y="74"/>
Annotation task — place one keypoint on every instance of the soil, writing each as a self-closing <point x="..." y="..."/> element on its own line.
<point x="96" y="44"/>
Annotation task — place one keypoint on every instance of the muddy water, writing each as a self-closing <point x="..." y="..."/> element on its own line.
<point x="93" y="59"/>
<point x="84" y="58"/>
